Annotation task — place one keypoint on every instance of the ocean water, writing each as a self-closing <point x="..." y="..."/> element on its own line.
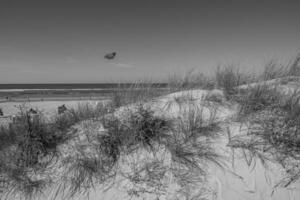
<point x="66" y="92"/>
<point x="48" y="97"/>
<point x="65" y="86"/>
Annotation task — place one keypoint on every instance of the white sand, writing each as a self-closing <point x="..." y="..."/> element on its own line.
<point x="236" y="180"/>
<point x="48" y="107"/>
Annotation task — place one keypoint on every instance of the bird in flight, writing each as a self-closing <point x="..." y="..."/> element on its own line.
<point x="110" y="56"/>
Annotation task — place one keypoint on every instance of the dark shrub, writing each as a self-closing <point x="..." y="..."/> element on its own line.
<point x="147" y="128"/>
<point x="258" y="98"/>
<point x="228" y="78"/>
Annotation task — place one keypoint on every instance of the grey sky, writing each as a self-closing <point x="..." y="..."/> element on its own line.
<point x="65" y="41"/>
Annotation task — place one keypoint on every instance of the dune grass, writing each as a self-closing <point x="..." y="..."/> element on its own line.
<point x="188" y="145"/>
<point x="258" y="98"/>
<point x="272" y="118"/>
<point x="32" y="136"/>
<point x="141" y="128"/>
<point x="97" y="164"/>
<point x="228" y="78"/>
<point x="282" y="128"/>
<point x="274" y="69"/>
<point x="27" y="154"/>
<point x="138" y="92"/>
<point x="80" y="113"/>
<point x="273" y="131"/>
<point x="29" y="149"/>
<point x="191" y="149"/>
<point x="191" y="79"/>
<point x="148" y="128"/>
<point x="191" y="139"/>
<point x="148" y="176"/>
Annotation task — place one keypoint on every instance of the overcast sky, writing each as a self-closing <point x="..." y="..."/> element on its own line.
<point x="65" y="41"/>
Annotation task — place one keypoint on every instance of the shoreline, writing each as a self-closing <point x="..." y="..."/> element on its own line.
<point x="43" y="99"/>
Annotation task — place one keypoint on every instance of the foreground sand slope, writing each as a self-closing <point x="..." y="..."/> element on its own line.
<point x="237" y="178"/>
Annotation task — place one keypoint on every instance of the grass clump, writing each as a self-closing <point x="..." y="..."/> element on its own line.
<point x="85" y="171"/>
<point x="193" y="124"/>
<point x="21" y="183"/>
<point x="229" y="78"/>
<point x="29" y="148"/>
<point x="142" y="127"/>
<point x="148" y="176"/>
<point x="274" y="134"/>
<point x="191" y="149"/>
<point x="275" y="70"/>
<point x="191" y="139"/>
<point x="7" y="137"/>
<point x="294" y="67"/>
<point x="282" y="129"/>
<point x="33" y="137"/>
<point x="190" y="80"/>
<point x="97" y="163"/>
<point x="27" y="155"/>
<point x="138" y="92"/>
<point x="148" y="128"/>
<point x="80" y="113"/>
<point x="116" y="137"/>
<point x="180" y="101"/>
<point x="257" y="98"/>
<point x="188" y="145"/>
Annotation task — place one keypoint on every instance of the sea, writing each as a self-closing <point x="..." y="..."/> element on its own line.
<point x="66" y="91"/>
<point x="48" y="97"/>
<point x="65" y="86"/>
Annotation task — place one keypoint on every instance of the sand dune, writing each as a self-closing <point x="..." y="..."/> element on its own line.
<point x="236" y="179"/>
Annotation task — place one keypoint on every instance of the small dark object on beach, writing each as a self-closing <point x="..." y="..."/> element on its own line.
<point x="32" y="111"/>
<point x="61" y="109"/>
<point x="1" y="112"/>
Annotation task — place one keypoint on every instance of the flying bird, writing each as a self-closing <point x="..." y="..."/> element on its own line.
<point x="110" y="56"/>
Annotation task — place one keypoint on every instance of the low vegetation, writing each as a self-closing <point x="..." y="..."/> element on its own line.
<point x="34" y="147"/>
<point x="229" y="78"/>
<point x="258" y="98"/>
<point x="190" y="80"/>
<point x="80" y="113"/>
<point x="29" y="147"/>
<point x="138" y="92"/>
<point x="98" y="163"/>
<point x="273" y="124"/>
<point x="274" y="70"/>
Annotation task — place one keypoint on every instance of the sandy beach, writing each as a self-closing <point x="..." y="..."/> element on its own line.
<point x="47" y="107"/>
<point x="150" y="100"/>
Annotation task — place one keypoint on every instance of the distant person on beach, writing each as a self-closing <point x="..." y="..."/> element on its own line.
<point x="33" y="115"/>
<point x="1" y="112"/>
<point x="32" y="111"/>
<point x="61" y="109"/>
